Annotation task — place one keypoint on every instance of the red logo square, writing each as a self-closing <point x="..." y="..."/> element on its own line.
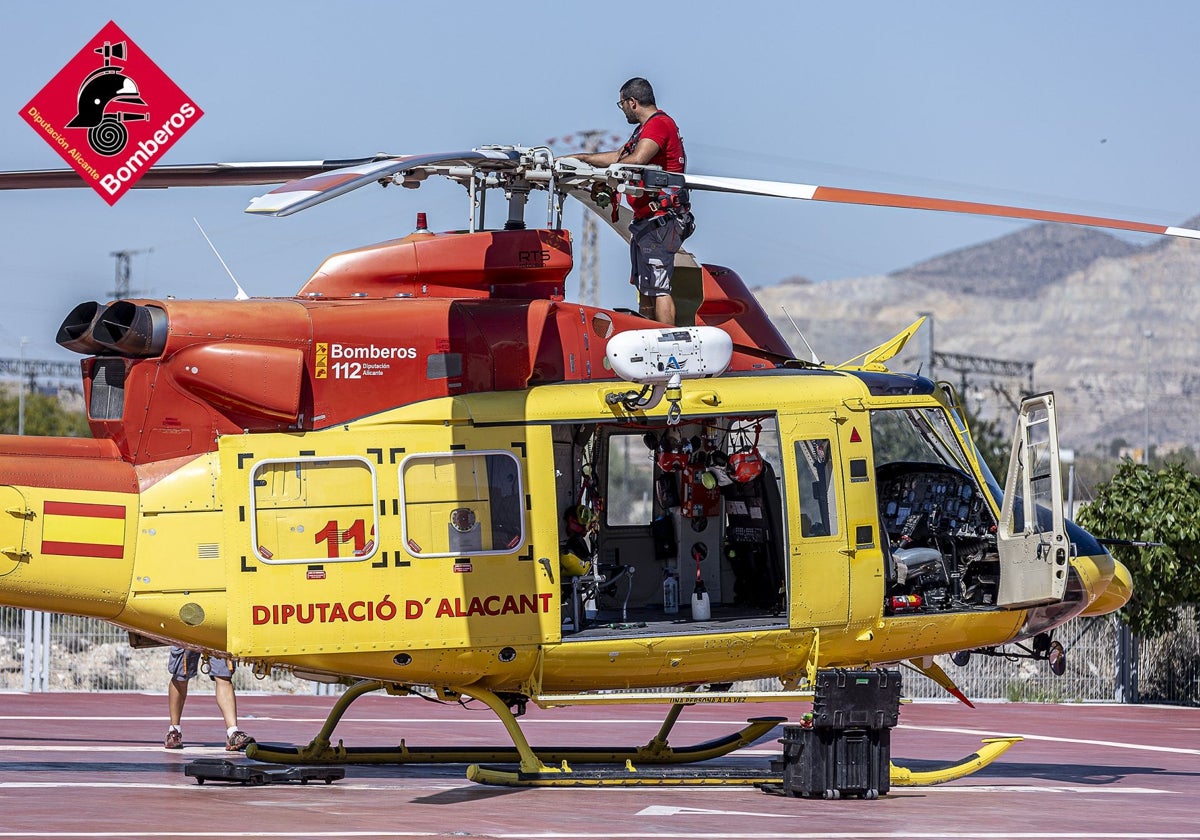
<point x="111" y="113"/>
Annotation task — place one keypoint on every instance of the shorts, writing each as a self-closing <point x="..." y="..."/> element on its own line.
<point x="185" y="664"/>
<point x="653" y="243"/>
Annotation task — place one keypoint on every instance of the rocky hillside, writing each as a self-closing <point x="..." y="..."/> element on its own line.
<point x="1105" y="322"/>
<point x="1020" y="264"/>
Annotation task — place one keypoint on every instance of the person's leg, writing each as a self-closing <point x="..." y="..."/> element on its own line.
<point x="645" y="301"/>
<point x="656" y="245"/>
<point x="646" y="306"/>
<point x="664" y="309"/>
<point x="226" y="701"/>
<point x="181" y="668"/>
<point x="221" y="670"/>
<point x="177" y="691"/>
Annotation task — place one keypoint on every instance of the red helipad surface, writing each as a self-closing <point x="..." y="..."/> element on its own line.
<point x="74" y="765"/>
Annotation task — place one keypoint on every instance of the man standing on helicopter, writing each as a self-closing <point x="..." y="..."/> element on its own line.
<point x="660" y="222"/>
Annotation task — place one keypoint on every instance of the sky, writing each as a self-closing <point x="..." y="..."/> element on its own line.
<point x="1087" y="107"/>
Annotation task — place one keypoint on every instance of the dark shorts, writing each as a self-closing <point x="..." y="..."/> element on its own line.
<point x="652" y="247"/>
<point x="185" y="664"/>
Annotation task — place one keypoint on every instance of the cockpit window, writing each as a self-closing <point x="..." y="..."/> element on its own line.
<point x="922" y="435"/>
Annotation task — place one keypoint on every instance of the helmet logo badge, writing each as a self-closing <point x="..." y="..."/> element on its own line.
<point x="111" y="113"/>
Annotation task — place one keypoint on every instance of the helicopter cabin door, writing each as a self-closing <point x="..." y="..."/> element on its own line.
<point x="372" y="541"/>
<point x="1032" y="538"/>
<point x="820" y="562"/>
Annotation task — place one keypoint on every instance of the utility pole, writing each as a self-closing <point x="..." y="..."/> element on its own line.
<point x="587" y="142"/>
<point x="21" y="390"/>
<point x="1146" y="336"/>
<point x="124" y="259"/>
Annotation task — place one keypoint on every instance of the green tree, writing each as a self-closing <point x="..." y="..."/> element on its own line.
<point x="43" y="416"/>
<point x="1160" y="506"/>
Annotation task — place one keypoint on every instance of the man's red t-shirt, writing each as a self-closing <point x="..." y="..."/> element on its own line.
<point x="662" y="130"/>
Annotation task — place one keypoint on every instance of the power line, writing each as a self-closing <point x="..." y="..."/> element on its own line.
<point x="32" y="368"/>
<point x="964" y="364"/>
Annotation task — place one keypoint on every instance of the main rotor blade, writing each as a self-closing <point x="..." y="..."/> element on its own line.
<point x="190" y="175"/>
<point x="295" y="196"/>
<point x="838" y="195"/>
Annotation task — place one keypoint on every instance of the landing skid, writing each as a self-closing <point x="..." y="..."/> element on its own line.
<point x="992" y="749"/>
<point x="628" y="776"/>
<point x="656" y="751"/>
<point x="768" y="779"/>
<point x="551" y="766"/>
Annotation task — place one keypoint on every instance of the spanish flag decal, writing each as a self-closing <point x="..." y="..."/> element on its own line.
<point x="79" y="529"/>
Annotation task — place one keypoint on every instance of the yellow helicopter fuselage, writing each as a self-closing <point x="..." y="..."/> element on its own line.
<point x="428" y="544"/>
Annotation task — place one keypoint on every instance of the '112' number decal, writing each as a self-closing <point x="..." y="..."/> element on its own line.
<point x="347" y="370"/>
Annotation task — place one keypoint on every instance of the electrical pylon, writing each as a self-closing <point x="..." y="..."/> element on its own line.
<point x="121" y="289"/>
<point x="587" y="142"/>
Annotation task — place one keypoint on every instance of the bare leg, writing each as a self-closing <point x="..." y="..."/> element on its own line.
<point x="657" y="308"/>
<point x="647" y="307"/>
<point x="664" y="309"/>
<point x="177" y="692"/>
<point x="227" y="701"/>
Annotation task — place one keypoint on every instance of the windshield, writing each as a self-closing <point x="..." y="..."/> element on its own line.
<point x="988" y="478"/>
<point x="921" y="435"/>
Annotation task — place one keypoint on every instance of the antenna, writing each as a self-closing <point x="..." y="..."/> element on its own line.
<point x="811" y="351"/>
<point x="241" y="293"/>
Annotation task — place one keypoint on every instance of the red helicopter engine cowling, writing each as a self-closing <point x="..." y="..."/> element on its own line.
<point x="224" y="367"/>
<point x="218" y="367"/>
<point x="425" y="317"/>
<point x="527" y="264"/>
<point x="258" y="380"/>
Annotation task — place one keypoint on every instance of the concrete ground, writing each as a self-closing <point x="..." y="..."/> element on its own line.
<point x="93" y="765"/>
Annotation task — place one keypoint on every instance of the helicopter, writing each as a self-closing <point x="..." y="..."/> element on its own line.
<point x="430" y="473"/>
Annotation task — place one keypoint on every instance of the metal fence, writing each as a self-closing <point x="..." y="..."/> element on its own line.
<point x="1169" y="666"/>
<point x="43" y="652"/>
<point x="1093" y="670"/>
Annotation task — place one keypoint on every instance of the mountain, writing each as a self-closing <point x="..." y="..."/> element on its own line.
<point x="1020" y="264"/>
<point x="1106" y="323"/>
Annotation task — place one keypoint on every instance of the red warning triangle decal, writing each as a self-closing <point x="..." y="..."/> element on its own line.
<point x="854" y="435"/>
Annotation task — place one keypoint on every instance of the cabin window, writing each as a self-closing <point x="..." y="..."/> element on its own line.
<point x="1035" y="461"/>
<point x="630" y="489"/>
<point x="314" y="510"/>
<point x="462" y="503"/>
<point x="818" y="499"/>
